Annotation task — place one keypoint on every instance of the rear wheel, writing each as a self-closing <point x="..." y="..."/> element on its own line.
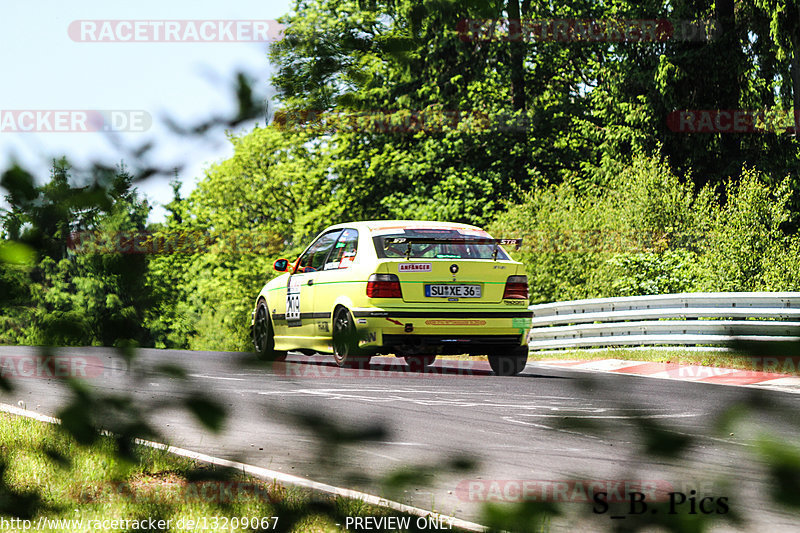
<point x="345" y="341"/>
<point x="418" y="363"/>
<point x="509" y="364"/>
<point x="263" y="335"/>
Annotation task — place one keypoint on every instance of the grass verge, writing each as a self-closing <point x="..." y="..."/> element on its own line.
<point x="46" y="477"/>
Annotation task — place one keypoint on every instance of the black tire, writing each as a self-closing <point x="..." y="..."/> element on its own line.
<point x="345" y="341"/>
<point x="509" y="364"/>
<point x="418" y="363"/>
<point x="263" y="336"/>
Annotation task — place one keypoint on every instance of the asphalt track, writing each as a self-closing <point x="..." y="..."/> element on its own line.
<point x="552" y="432"/>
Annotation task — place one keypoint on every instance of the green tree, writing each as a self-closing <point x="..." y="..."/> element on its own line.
<point x="399" y="72"/>
<point x="746" y="249"/>
<point x="641" y="234"/>
<point x="87" y="293"/>
<point x="217" y="247"/>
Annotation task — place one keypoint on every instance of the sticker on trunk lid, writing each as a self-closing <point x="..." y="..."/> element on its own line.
<point x="415" y="267"/>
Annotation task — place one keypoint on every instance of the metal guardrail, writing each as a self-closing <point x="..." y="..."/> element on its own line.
<point x="668" y="319"/>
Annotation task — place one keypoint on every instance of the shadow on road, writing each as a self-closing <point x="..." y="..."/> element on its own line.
<point x="320" y="366"/>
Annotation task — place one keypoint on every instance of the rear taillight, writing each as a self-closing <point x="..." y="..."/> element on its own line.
<point x="384" y="286"/>
<point x="516" y="288"/>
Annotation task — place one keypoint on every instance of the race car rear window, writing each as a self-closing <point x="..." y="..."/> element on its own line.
<point x="446" y="250"/>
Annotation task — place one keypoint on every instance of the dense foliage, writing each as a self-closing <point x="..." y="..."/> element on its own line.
<point x="648" y="232"/>
<point x="64" y="297"/>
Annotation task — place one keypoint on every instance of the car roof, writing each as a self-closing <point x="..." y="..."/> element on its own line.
<point x="379" y="225"/>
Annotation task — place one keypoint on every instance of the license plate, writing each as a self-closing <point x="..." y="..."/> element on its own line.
<point x="453" y="291"/>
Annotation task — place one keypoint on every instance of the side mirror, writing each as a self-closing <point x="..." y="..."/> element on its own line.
<point x="281" y="265"/>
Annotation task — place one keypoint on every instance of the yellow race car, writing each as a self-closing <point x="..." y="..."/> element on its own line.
<point x="414" y="289"/>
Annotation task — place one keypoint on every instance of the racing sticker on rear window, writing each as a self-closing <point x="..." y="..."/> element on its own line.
<point x="415" y="267"/>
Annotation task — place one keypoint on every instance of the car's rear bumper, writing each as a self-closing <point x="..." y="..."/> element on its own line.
<point x="451" y="344"/>
<point x="442" y="331"/>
